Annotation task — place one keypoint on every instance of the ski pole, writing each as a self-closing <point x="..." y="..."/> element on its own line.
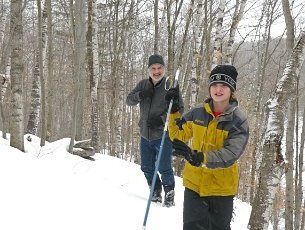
<point x="159" y="155"/>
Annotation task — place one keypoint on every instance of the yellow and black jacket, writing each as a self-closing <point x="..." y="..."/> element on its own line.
<point x="221" y="139"/>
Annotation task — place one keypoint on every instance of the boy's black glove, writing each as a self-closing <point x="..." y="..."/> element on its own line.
<point x="154" y="122"/>
<point x="181" y="149"/>
<point x="173" y="93"/>
<point x="147" y="93"/>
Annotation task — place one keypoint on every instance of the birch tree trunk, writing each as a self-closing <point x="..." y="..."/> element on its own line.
<point x="5" y="65"/>
<point x="237" y="16"/>
<point x="291" y="206"/>
<point x="36" y="92"/>
<point x="276" y="209"/>
<point x="303" y="217"/>
<point x="35" y="108"/>
<point x="196" y="53"/>
<point x="32" y="126"/>
<point x="93" y="69"/>
<point x="42" y="49"/>
<point x="217" y="54"/>
<point x="289" y="199"/>
<point x="17" y="113"/>
<point x="263" y="56"/>
<point x="208" y="24"/>
<point x="4" y="83"/>
<point x="272" y="167"/>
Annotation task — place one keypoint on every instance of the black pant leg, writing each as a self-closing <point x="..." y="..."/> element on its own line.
<point x="221" y="209"/>
<point x="195" y="211"/>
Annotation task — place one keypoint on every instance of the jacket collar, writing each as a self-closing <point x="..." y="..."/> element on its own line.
<point x="227" y="114"/>
<point x="158" y="84"/>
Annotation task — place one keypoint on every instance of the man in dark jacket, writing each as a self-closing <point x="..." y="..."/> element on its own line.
<point x="150" y="94"/>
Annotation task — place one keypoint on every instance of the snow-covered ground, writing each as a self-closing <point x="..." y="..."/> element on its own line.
<point x="48" y="188"/>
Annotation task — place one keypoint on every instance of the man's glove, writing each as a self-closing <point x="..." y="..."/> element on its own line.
<point x="147" y="93"/>
<point x="154" y="122"/>
<point x="173" y="93"/>
<point x="181" y="149"/>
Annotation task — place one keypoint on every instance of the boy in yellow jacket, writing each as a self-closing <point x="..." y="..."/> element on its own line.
<point x="218" y="132"/>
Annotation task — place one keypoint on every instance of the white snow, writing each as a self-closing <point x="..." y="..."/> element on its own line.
<point x="48" y="188"/>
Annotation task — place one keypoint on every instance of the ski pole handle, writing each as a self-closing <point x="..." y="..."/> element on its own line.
<point x="176" y="78"/>
<point x="171" y="102"/>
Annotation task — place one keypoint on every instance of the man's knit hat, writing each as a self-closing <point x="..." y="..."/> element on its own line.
<point x="225" y="74"/>
<point x="155" y="59"/>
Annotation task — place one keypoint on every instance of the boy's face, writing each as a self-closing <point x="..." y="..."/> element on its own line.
<point x="220" y="92"/>
<point x="156" y="72"/>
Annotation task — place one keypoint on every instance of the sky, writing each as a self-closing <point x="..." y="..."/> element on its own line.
<point x="49" y="188"/>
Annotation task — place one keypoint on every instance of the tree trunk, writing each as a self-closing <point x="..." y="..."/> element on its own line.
<point x="156" y="23"/>
<point x="263" y="56"/>
<point x="32" y="126"/>
<point x="17" y="113"/>
<point x="303" y="217"/>
<point x="50" y="88"/>
<point x="299" y="192"/>
<point x="291" y="223"/>
<point x="196" y="54"/>
<point x="93" y="68"/>
<point x="237" y="16"/>
<point x="41" y="58"/>
<point x="80" y="58"/>
<point x="217" y="55"/>
<point x="171" y="30"/>
<point x="5" y="79"/>
<point x="272" y="167"/>
<point x="289" y="199"/>
<point x="36" y="92"/>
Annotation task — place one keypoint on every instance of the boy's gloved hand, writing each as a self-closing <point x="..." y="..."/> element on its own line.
<point x="181" y="149"/>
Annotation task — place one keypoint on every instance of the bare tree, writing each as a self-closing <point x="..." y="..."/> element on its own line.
<point x="197" y="58"/>
<point x="156" y="22"/>
<point x="292" y="114"/>
<point x="17" y="113"/>
<point x="272" y="166"/>
<point x="93" y="70"/>
<point x="41" y="48"/>
<point x="263" y="56"/>
<point x="50" y="88"/>
<point x="171" y="30"/>
<point x="237" y="16"/>
<point x="38" y="78"/>
<point x="217" y="55"/>
<point x="4" y="79"/>
<point x="289" y="198"/>
<point x="5" y="64"/>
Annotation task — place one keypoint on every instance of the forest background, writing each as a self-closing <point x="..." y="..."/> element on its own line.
<point x="67" y="66"/>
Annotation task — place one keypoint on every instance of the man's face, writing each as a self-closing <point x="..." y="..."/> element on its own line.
<point x="220" y="92"/>
<point x="156" y="72"/>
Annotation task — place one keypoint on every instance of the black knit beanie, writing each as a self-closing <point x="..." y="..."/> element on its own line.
<point x="225" y="74"/>
<point x="155" y="59"/>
